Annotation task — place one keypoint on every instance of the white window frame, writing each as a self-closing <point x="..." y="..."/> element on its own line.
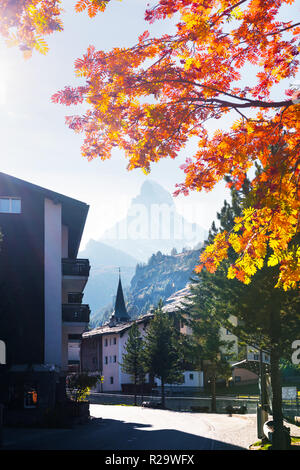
<point x="10" y="211"/>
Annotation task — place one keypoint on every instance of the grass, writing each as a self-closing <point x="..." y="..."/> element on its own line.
<point x="265" y="445"/>
<point x="239" y="390"/>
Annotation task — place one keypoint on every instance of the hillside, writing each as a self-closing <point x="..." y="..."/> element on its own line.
<point x="159" y="279"/>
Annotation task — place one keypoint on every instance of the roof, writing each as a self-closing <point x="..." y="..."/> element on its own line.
<point x="177" y="300"/>
<point x="121" y="327"/>
<point x="252" y="365"/>
<point x="173" y="303"/>
<point x="74" y="212"/>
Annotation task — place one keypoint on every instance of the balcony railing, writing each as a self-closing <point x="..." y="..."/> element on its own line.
<point x="75" y="267"/>
<point x="75" y="297"/>
<point x="76" y="313"/>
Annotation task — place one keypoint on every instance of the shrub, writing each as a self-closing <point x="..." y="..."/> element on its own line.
<point x="79" y="385"/>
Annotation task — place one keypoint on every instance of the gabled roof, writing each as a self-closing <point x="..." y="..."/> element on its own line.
<point x="121" y="327"/>
<point x="74" y="212"/>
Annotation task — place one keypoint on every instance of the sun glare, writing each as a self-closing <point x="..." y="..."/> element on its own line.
<point x="2" y="91"/>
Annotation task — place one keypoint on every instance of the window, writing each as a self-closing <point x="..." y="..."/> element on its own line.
<point x="115" y="340"/>
<point x="115" y="358"/>
<point x="10" y="205"/>
<point x="106" y="360"/>
<point x="111" y="380"/>
<point x="191" y="376"/>
<point x="106" y="343"/>
<point x="256" y="357"/>
<point x="30" y="396"/>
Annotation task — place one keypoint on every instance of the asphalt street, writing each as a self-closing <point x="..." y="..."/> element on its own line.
<point x="116" y="427"/>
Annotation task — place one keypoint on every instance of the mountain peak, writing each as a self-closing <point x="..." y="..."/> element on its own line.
<point x="152" y="192"/>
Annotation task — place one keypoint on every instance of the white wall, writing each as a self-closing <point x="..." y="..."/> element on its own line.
<point x="114" y="369"/>
<point x="192" y="378"/>
<point x="111" y="369"/>
<point x="53" y="283"/>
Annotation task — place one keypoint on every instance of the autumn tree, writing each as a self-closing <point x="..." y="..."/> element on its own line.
<point x="133" y="358"/>
<point x="26" y="23"/>
<point x="151" y="98"/>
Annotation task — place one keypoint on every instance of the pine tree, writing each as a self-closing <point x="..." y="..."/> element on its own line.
<point x="207" y="350"/>
<point x="163" y="354"/>
<point x="133" y="358"/>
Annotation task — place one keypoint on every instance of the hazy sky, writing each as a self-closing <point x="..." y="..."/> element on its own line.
<point x="37" y="146"/>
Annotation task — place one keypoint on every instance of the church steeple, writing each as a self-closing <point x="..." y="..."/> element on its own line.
<point x="120" y="312"/>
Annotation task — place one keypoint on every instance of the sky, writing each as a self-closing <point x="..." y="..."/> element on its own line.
<point x="37" y="146"/>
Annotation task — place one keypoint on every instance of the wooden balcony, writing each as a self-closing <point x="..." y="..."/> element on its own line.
<point x="75" y="267"/>
<point x="76" y="313"/>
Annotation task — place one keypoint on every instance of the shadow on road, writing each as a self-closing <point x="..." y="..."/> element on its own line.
<point x="109" y="434"/>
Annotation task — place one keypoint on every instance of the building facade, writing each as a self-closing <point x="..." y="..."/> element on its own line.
<point x="41" y="288"/>
<point x="102" y="348"/>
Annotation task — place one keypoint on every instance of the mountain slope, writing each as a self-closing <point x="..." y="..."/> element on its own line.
<point x="159" y="279"/>
<point x="103" y="281"/>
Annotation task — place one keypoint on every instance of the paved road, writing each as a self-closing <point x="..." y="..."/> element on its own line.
<point x="136" y="428"/>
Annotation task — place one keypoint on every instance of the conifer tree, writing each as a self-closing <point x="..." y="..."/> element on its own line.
<point x="163" y="354"/>
<point x="207" y="349"/>
<point x="133" y="361"/>
<point x="268" y="318"/>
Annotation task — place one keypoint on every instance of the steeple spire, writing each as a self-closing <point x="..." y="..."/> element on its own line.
<point x="120" y="312"/>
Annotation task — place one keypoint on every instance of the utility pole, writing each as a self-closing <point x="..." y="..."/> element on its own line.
<point x="262" y="413"/>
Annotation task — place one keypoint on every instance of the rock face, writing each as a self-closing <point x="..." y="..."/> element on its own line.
<point x="159" y="279"/>
<point x="152" y="224"/>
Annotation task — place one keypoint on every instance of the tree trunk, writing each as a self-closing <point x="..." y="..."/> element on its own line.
<point x="142" y="390"/>
<point x="279" y="438"/>
<point x="213" y="394"/>
<point x="135" y="391"/>
<point x="163" y="393"/>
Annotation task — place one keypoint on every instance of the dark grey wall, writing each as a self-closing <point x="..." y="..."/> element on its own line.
<point x="22" y="275"/>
